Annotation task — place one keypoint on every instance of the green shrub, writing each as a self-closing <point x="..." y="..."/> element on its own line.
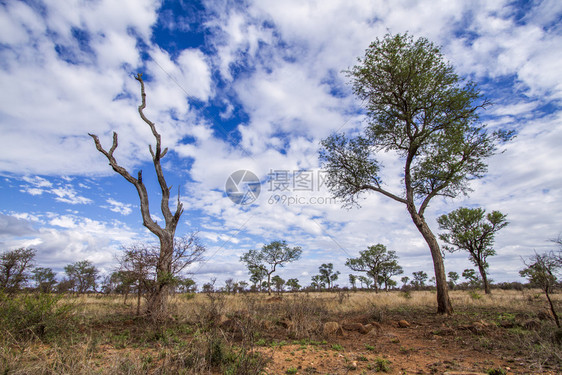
<point x="34" y="315"/>
<point x="474" y="295"/>
<point x="381" y="365"/>
<point x="496" y="371"/>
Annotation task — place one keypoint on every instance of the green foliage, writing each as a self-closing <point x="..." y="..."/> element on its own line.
<point x="496" y="371"/>
<point x="418" y="107"/>
<point x="44" y="279"/>
<point x="542" y="271"/>
<point x="293" y="284"/>
<point x="381" y="365"/>
<point x="379" y="263"/>
<point x="419" y="279"/>
<point x="337" y="347"/>
<point x="34" y="315"/>
<point x="83" y="274"/>
<point x="474" y="295"/>
<point x="291" y="371"/>
<point x="327" y="274"/>
<point x="265" y="261"/>
<point x="14" y="269"/>
<point x="471" y="230"/>
<point x="406" y="295"/>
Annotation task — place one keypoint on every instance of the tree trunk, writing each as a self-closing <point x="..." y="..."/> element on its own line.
<point x="157" y="304"/>
<point x="268" y="284"/>
<point x="552" y="308"/>
<point x="139" y="293"/>
<point x="443" y="302"/>
<point x="484" y="278"/>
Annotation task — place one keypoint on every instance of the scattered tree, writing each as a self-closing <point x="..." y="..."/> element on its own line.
<point x="140" y="262"/>
<point x="470" y="275"/>
<point x="422" y="112"/>
<point x="419" y="279"/>
<point x="391" y="268"/>
<point x="157" y="306"/>
<point x="293" y="284"/>
<point x="368" y="281"/>
<point x="453" y="278"/>
<point x="14" y="269"/>
<point x="405" y="280"/>
<point x="327" y="274"/>
<point x="376" y="261"/>
<point x="272" y="255"/>
<point x="257" y="275"/>
<point x="317" y="282"/>
<point x="471" y="230"/>
<point x="229" y="285"/>
<point x="542" y="271"/>
<point x="186" y="285"/>
<point x="353" y="281"/>
<point x="83" y="275"/>
<point x="278" y="282"/>
<point x="44" y="278"/>
<point x="242" y="285"/>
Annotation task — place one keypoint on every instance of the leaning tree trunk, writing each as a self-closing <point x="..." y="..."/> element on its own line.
<point x="484" y="279"/>
<point x="443" y="302"/>
<point x="157" y="298"/>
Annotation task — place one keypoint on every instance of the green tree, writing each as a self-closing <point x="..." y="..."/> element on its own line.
<point x="257" y="275"/>
<point x="419" y="110"/>
<point x="271" y="256"/>
<point x="14" y="269"/>
<point x="317" y="282"/>
<point x="453" y="278"/>
<point x="229" y="285"/>
<point x="419" y="279"/>
<point x="390" y="268"/>
<point x="470" y="275"/>
<point x="471" y="230"/>
<point x="328" y="275"/>
<point x="44" y="278"/>
<point x="353" y="281"/>
<point x="367" y="280"/>
<point x="405" y="280"/>
<point x="375" y="261"/>
<point x="542" y="271"/>
<point x="278" y="282"/>
<point x="293" y="284"/>
<point x="83" y="274"/>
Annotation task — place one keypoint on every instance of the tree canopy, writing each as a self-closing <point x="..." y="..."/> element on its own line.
<point x="471" y="230"/>
<point x="272" y="255"/>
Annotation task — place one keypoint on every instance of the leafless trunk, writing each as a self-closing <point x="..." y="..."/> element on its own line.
<point x="484" y="278"/>
<point x="157" y="306"/>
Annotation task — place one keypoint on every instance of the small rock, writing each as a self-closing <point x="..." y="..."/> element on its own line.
<point x="531" y="324"/>
<point x="403" y="324"/>
<point x="333" y="328"/>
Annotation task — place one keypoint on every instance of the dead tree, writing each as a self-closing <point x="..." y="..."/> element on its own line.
<point x="157" y="301"/>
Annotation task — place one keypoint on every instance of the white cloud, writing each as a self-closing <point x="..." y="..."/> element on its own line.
<point x="119" y="207"/>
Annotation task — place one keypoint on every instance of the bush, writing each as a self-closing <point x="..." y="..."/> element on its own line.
<point x="34" y="315"/>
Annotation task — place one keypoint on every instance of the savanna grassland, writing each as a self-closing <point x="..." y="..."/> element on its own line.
<point x="507" y="332"/>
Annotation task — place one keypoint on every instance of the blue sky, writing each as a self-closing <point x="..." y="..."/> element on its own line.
<point x="255" y="85"/>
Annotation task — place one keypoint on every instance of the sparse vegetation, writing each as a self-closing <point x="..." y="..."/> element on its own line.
<point x="244" y="334"/>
